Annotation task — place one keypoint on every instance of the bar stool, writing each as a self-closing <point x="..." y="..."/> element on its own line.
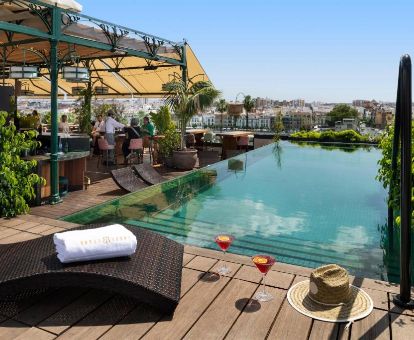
<point x="243" y="143"/>
<point x="136" y="147"/>
<point x="147" y="143"/>
<point x="104" y="147"/>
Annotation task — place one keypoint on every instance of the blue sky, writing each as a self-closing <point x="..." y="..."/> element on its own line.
<point x="328" y="50"/>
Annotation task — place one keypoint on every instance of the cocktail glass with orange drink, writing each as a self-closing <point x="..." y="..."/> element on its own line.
<point x="224" y="241"/>
<point x="263" y="263"/>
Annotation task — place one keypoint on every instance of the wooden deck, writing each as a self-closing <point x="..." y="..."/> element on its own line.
<point x="102" y="189"/>
<point x="210" y="308"/>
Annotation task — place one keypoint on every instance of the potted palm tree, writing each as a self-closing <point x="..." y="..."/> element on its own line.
<point x="187" y="99"/>
<point x="221" y="107"/>
<point x="248" y="105"/>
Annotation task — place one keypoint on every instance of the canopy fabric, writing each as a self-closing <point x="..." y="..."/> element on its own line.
<point x="126" y="62"/>
<point x="130" y="81"/>
<point x="65" y="4"/>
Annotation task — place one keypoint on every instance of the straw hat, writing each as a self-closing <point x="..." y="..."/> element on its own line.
<point x="328" y="296"/>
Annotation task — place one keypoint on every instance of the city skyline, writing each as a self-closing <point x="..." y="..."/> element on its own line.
<point x="326" y="51"/>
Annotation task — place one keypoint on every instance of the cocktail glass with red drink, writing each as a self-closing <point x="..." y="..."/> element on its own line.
<point x="263" y="263"/>
<point x="224" y="241"/>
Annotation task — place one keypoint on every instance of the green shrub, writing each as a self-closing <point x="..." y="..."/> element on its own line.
<point x="162" y="120"/>
<point x="346" y="136"/>
<point x="170" y="142"/>
<point x="29" y="122"/>
<point x="385" y="173"/>
<point x="17" y="180"/>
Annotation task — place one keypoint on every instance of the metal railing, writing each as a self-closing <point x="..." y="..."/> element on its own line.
<point x="402" y="136"/>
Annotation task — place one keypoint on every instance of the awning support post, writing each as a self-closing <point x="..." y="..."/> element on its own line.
<point x="184" y="62"/>
<point x="54" y="71"/>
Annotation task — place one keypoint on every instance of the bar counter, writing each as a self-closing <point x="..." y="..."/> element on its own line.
<point x="71" y="165"/>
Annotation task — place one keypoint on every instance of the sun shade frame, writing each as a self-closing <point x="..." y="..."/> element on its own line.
<point x="128" y="62"/>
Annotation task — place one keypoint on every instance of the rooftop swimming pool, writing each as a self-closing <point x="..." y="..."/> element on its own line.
<point x="306" y="204"/>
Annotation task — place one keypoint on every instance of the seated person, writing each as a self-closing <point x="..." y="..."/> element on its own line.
<point x="98" y="128"/>
<point x="99" y="125"/>
<point x="147" y="128"/>
<point x="64" y="125"/>
<point x="148" y="132"/>
<point x="131" y="132"/>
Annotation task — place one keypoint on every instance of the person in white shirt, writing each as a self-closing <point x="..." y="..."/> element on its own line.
<point x="110" y="125"/>
<point x="63" y="125"/>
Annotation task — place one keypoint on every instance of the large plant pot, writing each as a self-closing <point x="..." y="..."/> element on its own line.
<point x="169" y="162"/>
<point x="185" y="159"/>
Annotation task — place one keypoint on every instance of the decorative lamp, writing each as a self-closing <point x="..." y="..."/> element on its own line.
<point x="75" y="74"/>
<point x="23" y="72"/>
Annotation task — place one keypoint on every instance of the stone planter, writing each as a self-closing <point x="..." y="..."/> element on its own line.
<point x="185" y="159"/>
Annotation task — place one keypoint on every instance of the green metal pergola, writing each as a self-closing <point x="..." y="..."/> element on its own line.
<point x="126" y="61"/>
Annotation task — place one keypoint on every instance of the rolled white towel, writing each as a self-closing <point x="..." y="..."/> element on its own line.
<point x="94" y="244"/>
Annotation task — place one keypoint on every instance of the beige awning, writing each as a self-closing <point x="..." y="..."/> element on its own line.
<point x="129" y="81"/>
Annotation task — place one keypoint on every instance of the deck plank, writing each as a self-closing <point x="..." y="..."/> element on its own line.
<point x="402" y="326"/>
<point x="52" y="231"/>
<point x="324" y="330"/>
<point x="254" y="323"/>
<point x="36" y="334"/>
<point x="379" y="298"/>
<point x="13" y="222"/>
<point x="223" y="312"/>
<point x="72" y="313"/>
<point x="290" y="324"/>
<point x="273" y="278"/>
<point x="134" y="325"/>
<point x="12" y="329"/>
<point x="41" y="228"/>
<point x="189" y="278"/>
<point x="20" y="237"/>
<point x="143" y="317"/>
<point x="100" y="320"/>
<point x="234" y="267"/>
<point x="187" y="258"/>
<point x="374" y="326"/>
<point x="190" y="308"/>
<point x="26" y="226"/>
<point x="201" y="263"/>
<point x="48" y="306"/>
<point x="7" y="232"/>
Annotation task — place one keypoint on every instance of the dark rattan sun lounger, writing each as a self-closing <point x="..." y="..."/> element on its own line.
<point x="149" y="174"/>
<point x="126" y="179"/>
<point x="152" y="275"/>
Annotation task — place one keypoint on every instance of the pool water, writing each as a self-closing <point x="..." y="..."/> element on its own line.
<point x="307" y="205"/>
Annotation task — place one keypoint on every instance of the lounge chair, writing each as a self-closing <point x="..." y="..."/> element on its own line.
<point x="148" y="174"/>
<point x="151" y="275"/>
<point x="126" y="179"/>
